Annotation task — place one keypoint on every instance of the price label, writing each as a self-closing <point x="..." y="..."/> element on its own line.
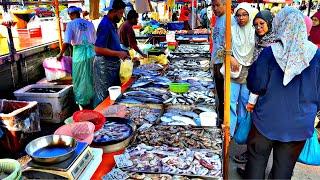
<point x="144" y="127"/>
<point x="116" y="174"/>
<point x="123" y="160"/>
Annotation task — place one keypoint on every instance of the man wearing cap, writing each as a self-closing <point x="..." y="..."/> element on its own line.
<point x="81" y="34"/>
<point x="106" y="66"/>
<point x="127" y="35"/>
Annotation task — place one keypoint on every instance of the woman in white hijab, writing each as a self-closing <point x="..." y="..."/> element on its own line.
<point x="286" y="76"/>
<point x="243" y="44"/>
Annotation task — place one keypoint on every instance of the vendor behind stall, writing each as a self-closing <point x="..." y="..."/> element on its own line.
<point x="106" y="64"/>
<point x="81" y="34"/>
<point x="127" y="35"/>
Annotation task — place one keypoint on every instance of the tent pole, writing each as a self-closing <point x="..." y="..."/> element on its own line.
<point x="227" y="92"/>
<point x="309" y="7"/>
<point x="56" y="6"/>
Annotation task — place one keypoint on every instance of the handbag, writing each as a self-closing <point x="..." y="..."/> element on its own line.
<point x="233" y="75"/>
<point x="310" y="153"/>
<point x="243" y="130"/>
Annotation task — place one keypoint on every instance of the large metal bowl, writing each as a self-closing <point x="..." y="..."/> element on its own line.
<point x="51" y="149"/>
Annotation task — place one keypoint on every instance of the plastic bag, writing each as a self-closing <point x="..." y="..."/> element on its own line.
<point x="243" y="130"/>
<point x="310" y="153"/>
<point x="55" y="69"/>
<point x="19" y="116"/>
<point x="126" y="68"/>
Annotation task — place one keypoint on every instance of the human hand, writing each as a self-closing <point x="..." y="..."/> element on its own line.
<point x="135" y="59"/>
<point x="123" y="55"/>
<point x="59" y="57"/>
<point x="234" y="64"/>
<point x="250" y="107"/>
<point x="144" y="55"/>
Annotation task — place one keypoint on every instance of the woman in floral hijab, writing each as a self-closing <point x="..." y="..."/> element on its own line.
<point x="286" y="76"/>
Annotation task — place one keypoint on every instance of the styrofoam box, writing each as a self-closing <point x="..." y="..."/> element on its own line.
<point x="53" y="107"/>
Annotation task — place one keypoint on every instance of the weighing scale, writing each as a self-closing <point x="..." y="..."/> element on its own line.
<point x="72" y="168"/>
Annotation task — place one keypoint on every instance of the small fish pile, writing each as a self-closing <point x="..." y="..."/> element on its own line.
<point x="145" y="176"/>
<point x="112" y="131"/>
<point x="153" y="81"/>
<point x="199" y="85"/>
<point x="184" y="74"/>
<point x="182" y="137"/>
<point x="193" y="49"/>
<point x="194" y="64"/>
<point x="163" y="159"/>
<point x="177" y="116"/>
<point x="192" y="98"/>
<point x="141" y="115"/>
<point x="148" y="70"/>
<point x="143" y="96"/>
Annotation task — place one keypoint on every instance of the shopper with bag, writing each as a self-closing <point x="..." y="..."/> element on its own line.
<point x="242" y="57"/>
<point x="106" y="66"/>
<point x="81" y="34"/>
<point x="264" y="38"/>
<point x="286" y="76"/>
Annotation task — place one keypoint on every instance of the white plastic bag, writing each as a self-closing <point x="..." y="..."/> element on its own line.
<point x="234" y="75"/>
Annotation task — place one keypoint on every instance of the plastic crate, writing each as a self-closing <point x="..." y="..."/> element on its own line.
<point x="17" y="120"/>
<point x="55" y="101"/>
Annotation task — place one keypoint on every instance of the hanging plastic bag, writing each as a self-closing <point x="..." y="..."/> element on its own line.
<point x="243" y="130"/>
<point x="7" y="19"/>
<point x="126" y="68"/>
<point x="310" y="153"/>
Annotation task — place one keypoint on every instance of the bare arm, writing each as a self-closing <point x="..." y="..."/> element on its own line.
<point x="109" y="52"/>
<point x="63" y="50"/>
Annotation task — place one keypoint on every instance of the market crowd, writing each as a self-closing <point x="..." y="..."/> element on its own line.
<point x="275" y="73"/>
<point x="275" y="82"/>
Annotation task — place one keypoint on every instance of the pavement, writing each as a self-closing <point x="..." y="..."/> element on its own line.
<point x="301" y="171"/>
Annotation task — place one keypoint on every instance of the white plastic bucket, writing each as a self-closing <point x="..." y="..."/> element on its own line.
<point x="208" y="118"/>
<point x="114" y="92"/>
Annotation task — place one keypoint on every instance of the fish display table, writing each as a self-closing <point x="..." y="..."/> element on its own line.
<point x="172" y="138"/>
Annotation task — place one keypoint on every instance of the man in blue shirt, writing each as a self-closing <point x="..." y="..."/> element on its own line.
<point x="219" y="9"/>
<point x="106" y="65"/>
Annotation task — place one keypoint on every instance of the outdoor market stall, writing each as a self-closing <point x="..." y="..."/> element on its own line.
<point x="164" y="104"/>
<point x="163" y="122"/>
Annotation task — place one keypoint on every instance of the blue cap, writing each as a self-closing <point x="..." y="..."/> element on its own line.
<point x="74" y="9"/>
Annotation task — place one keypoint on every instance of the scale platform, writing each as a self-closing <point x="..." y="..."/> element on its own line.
<point x="72" y="168"/>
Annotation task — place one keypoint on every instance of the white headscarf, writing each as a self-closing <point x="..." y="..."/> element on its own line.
<point x="243" y="40"/>
<point x="293" y="52"/>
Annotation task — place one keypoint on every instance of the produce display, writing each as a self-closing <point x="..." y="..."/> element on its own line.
<point x="160" y="31"/>
<point x="112" y="131"/>
<point x="147" y="30"/>
<point x="164" y="159"/>
<point x="181" y="137"/>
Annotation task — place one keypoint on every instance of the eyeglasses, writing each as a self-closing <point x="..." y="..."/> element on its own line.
<point x="259" y="25"/>
<point x="241" y="15"/>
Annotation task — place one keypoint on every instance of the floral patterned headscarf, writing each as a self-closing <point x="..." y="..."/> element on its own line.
<point x="292" y="51"/>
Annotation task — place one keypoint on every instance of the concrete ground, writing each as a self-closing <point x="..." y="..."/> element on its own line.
<point x="301" y="171"/>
